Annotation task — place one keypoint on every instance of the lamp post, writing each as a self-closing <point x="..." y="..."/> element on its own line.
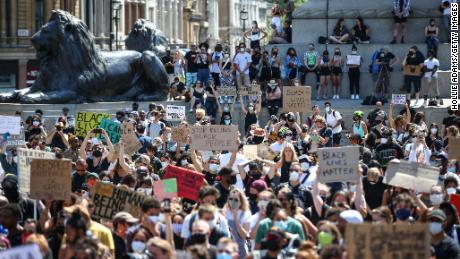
<point x="244" y="17"/>
<point x="116" y="5"/>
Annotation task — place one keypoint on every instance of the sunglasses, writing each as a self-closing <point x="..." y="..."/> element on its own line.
<point x="233" y="199"/>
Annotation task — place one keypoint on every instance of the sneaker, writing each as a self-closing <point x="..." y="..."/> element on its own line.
<point x="191" y="110"/>
<point x="338" y="97"/>
<point x="357" y="97"/>
<point x="352" y="97"/>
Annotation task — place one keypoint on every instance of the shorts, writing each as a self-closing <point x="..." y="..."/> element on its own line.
<point x="337" y="71"/>
<point x="190" y="78"/>
<point x="336" y="138"/>
<point x="399" y="20"/>
<point x="324" y="71"/>
<point x="276" y="73"/>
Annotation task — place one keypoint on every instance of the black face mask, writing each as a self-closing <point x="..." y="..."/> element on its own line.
<point x="197" y="239"/>
<point x="273" y="245"/>
<point x="60" y="230"/>
<point x="256" y="175"/>
<point x="12" y="194"/>
<point x="97" y="153"/>
<point x="252" y="197"/>
<point x="233" y="179"/>
<point x="258" y="139"/>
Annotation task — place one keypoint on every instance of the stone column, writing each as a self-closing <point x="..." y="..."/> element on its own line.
<point x="181" y="21"/>
<point x="13" y="25"/>
<point x="22" y="73"/>
<point x="2" y="23"/>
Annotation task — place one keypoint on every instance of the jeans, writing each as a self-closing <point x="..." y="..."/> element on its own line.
<point x="216" y="78"/>
<point x="354" y="76"/>
<point x="190" y="78"/>
<point x="211" y="106"/>
<point x="432" y="43"/>
<point x="203" y="75"/>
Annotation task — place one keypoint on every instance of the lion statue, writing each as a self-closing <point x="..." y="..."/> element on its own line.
<point x="72" y="69"/>
<point x="144" y="36"/>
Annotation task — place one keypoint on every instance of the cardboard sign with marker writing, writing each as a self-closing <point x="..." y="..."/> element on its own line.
<point x="398" y="99"/>
<point x="250" y="152"/>
<point x="214" y="137"/>
<point x="25" y="157"/>
<point x="109" y="200"/>
<point x="454" y="148"/>
<point x="86" y="121"/>
<point x="370" y="241"/>
<point x="338" y="164"/>
<point x="112" y="128"/>
<point x="188" y="182"/>
<point x="13" y="140"/>
<point x="226" y="91"/>
<point x="175" y="113"/>
<point x="10" y="124"/>
<point x="180" y="134"/>
<point x="296" y="98"/>
<point x="265" y="152"/>
<point x="51" y="179"/>
<point x="253" y="89"/>
<point x="411" y="175"/>
<point x="132" y="143"/>
<point x="30" y="251"/>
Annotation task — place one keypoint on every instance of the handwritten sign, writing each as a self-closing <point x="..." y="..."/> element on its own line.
<point x="180" y="134"/>
<point x="264" y="151"/>
<point x="109" y="200"/>
<point x="188" y="181"/>
<point x="454" y="148"/>
<point x="49" y="124"/>
<point x="250" y="152"/>
<point x="370" y="241"/>
<point x="398" y="99"/>
<point x="112" y="128"/>
<point x="51" y="179"/>
<point x="411" y="175"/>
<point x="338" y="164"/>
<point x="253" y="89"/>
<point x="296" y="99"/>
<point x="165" y="189"/>
<point x="13" y="140"/>
<point x="175" y="113"/>
<point x="353" y="60"/>
<point x="226" y="91"/>
<point x="86" y="121"/>
<point x="132" y="143"/>
<point x="31" y="251"/>
<point x="25" y="158"/>
<point x="10" y="124"/>
<point x="214" y="137"/>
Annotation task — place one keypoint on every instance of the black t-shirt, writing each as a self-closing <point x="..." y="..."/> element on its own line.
<point x="311" y="214"/>
<point x="120" y="246"/>
<point x="223" y="194"/>
<point x="450" y="120"/>
<point x="191" y="65"/>
<point x="102" y="166"/>
<point x="78" y="181"/>
<point x="32" y="132"/>
<point x="169" y="67"/>
<point x="374" y="192"/>
<point x="388" y="151"/>
<point x="386" y="58"/>
<point x="447" y="249"/>
<point x="326" y="132"/>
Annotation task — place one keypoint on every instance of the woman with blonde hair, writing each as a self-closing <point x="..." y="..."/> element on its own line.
<point x="160" y="248"/>
<point x="400" y="122"/>
<point x="238" y="213"/>
<point x="328" y="234"/>
<point x="282" y="168"/>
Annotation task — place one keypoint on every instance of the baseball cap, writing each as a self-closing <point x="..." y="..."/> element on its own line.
<point x="124" y="216"/>
<point x="352" y="216"/>
<point x="438" y="214"/>
<point x="259" y="185"/>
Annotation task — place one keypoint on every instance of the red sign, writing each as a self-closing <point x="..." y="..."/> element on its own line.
<point x="189" y="182"/>
<point x="455" y="200"/>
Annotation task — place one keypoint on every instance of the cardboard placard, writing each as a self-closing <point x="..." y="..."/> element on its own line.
<point x="132" y="143"/>
<point x="369" y="241"/>
<point x="175" y="113"/>
<point x="49" y="124"/>
<point x="25" y="157"/>
<point x="398" y="99"/>
<point x="165" y="189"/>
<point x="214" y="137"/>
<point x="253" y="89"/>
<point x="453" y="149"/>
<point x="296" y="98"/>
<point x="10" y="124"/>
<point x="86" y="121"/>
<point x="51" y="179"/>
<point x="226" y="91"/>
<point x="353" y="60"/>
<point x="112" y="128"/>
<point x="109" y="200"/>
<point x="188" y="182"/>
<point x="13" y="140"/>
<point x="265" y="152"/>
<point x="411" y="175"/>
<point x="338" y="164"/>
<point x="180" y="134"/>
<point x="31" y="251"/>
<point x="250" y="152"/>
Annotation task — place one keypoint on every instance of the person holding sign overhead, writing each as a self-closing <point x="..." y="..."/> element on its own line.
<point x="251" y="113"/>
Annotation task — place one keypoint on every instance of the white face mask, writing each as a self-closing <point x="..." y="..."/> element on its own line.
<point x="227" y="122"/>
<point x="354" y="52"/>
<point x="183" y="162"/>
<point x="164" y="164"/>
<point x="451" y="190"/>
<point x="213" y="167"/>
<point x="262" y="205"/>
<point x="328" y="109"/>
<point x="154" y="219"/>
<point x="435" y="228"/>
<point x="304" y="166"/>
<point x="436" y="199"/>
<point x="383" y="140"/>
<point x="15" y="159"/>
<point x="434" y="130"/>
<point x="294" y="176"/>
<point x="211" y="224"/>
<point x="241" y="49"/>
<point x="138" y="246"/>
<point x="35" y="123"/>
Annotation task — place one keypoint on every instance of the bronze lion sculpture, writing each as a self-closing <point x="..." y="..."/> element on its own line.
<point x="144" y="36"/>
<point x="72" y="69"/>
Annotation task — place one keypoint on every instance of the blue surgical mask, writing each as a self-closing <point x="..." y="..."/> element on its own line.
<point x="138" y="246"/>
<point x="403" y="214"/>
<point x="224" y="255"/>
<point x="281" y="224"/>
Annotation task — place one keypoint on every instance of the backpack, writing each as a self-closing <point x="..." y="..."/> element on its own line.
<point x="373" y="67"/>
<point x="322" y="40"/>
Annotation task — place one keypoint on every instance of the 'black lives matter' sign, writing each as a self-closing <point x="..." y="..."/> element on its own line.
<point x="338" y="164"/>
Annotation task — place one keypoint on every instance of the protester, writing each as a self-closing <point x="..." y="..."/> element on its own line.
<point x="354" y="73"/>
<point x="340" y="33"/>
<point x="401" y="10"/>
<point x="337" y="73"/>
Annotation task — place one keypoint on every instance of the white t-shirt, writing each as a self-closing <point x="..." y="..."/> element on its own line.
<point x="446" y="11"/>
<point x="332" y="121"/>
<point x="225" y="158"/>
<point x="216" y="56"/>
<point x="242" y="60"/>
<point x="277" y="147"/>
<point x="242" y="217"/>
<point x="430" y="64"/>
<point x="222" y="224"/>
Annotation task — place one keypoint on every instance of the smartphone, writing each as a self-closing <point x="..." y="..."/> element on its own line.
<point x="97" y="130"/>
<point x="166" y="205"/>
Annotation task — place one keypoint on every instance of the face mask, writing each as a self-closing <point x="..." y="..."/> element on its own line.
<point x="403" y="214"/>
<point x="311" y="48"/>
<point x="294" y="176"/>
<point x="353" y="188"/>
<point x="337" y="53"/>
<point x="97" y="153"/>
<point x="258" y="139"/>
<point x="451" y="169"/>
<point x="383" y="140"/>
<point x="451" y="190"/>
<point x="226" y="109"/>
<point x="435" y="228"/>
<point x="281" y="224"/>
<point x="434" y="130"/>
<point x="414" y="139"/>
<point x="233" y="179"/>
<point x="233" y="204"/>
<point x="251" y="109"/>
<point x="35" y="123"/>
<point x="241" y="49"/>
<point x="354" y="52"/>
<point x="184" y="162"/>
<point x="211" y="224"/>
<point x="328" y="109"/>
<point x="325" y="239"/>
<point x="147" y="191"/>
<point x="164" y="164"/>
<point x="138" y="246"/>
<point x="227" y="122"/>
<point x="262" y="205"/>
<point x="304" y="166"/>
<point x="177" y="228"/>
<point x="15" y="159"/>
<point x="224" y="255"/>
<point x="154" y="219"/>
<point x="213" y="167"/>
<point x="436" y="199"/>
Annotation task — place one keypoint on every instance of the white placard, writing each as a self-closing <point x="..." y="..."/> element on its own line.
<point x="398" y="99"/>
<point x="11" y="124"/>
<point x="25" y="157"/>
<point x="31" y="251"/>
<point x="175" y="113"/>
<point x="353" y="60"/>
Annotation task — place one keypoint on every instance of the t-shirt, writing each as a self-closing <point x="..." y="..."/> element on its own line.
<point x="332" y="120"/>
<point x="223" y="194"/>
<point x="385" y="58"/>
<point x="388" y="151"/>
<point x="103" y="234"/>
<point x="430" y="64"/>
<point x="447" y="249"/>
<point x="78" y="181"/>
<point x="310" y="58"/>
<point x="448" y="10"/>
<point x="222" y="224"/>
<point x="293" y="227"/>
<point x="191" y="65"/>
<point x="373" y="193"/>
<point x="326" y="132"/>
<point x="450" y="120"/>
<point x="242" y="60"/>
<point x="154" y="129"/>
<point x="277" y="147"/>
<point x="216" y="56"/>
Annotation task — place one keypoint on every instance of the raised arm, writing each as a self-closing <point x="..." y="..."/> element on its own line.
<point x="198" y="163"/>
<point x="259" y="103"/>
<point x="121" y="160"/>
<point x="317" y="201"/>
<point x="243" y="108"/>
<point x="50" y="137"/>
<point x="84" y="143"/>
<point x="390" y="117"/>
<point x="408" y="117"/>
